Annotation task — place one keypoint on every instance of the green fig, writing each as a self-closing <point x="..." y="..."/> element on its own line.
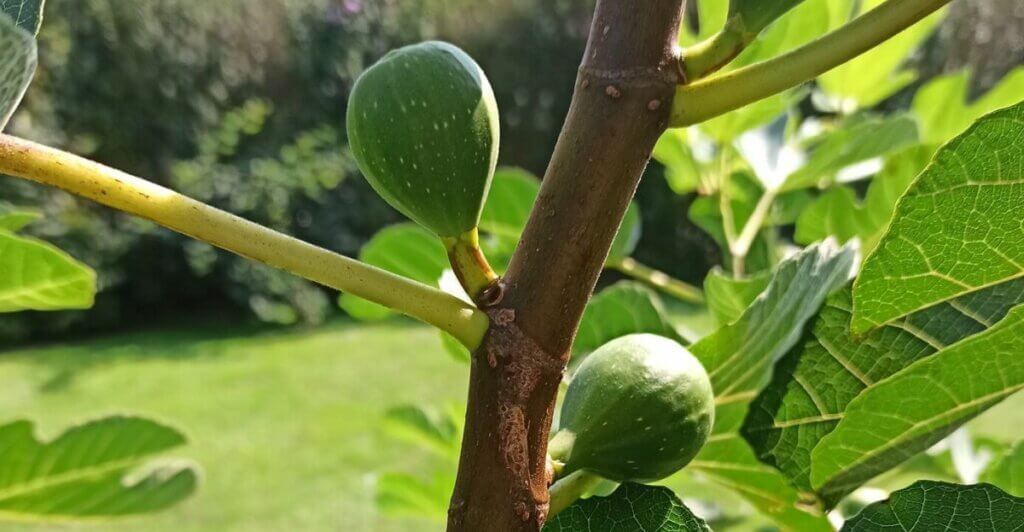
<point x="638" y="409"/>
<point x="423" y="126"/>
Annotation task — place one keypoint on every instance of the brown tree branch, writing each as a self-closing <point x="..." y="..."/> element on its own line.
<point x="620" y="107"/>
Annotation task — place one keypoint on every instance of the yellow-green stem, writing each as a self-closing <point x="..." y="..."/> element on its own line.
<point x="113" y="188"/>
<point x="657" y="279"/>
<point x="716" y="51"/>
<point x="569" y="489"/>
<point x="719" y="94"/>
<point x="469" y="263"/>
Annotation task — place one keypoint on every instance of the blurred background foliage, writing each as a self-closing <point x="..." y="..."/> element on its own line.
<point x="240" y="103"/>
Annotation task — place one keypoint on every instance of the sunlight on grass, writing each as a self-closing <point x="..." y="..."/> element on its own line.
<point x="283" y="423"/>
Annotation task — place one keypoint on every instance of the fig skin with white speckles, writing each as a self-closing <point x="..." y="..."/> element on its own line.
<point x="639" y="408"/>
<point x="423" y="125"/>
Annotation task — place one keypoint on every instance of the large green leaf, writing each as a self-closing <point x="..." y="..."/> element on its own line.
<point x="739" y="358"/>
<point x="859" y="140"/>
<point x="405" y="249"/>
<point x="956" y="230"/>
<point x="929" y="506"/>
<point x="624" y="308"/>
<point x="918" y="406"/>
<point x="632" y="507"/>
<point x="1007" y="471"/>
<point x="728" y="297"/>
<point x="90" y="471"/>
<point x="17" y="65"/>
<point x="871" y="77"/>
<point x="25" y="13"/>
<point x="838" y="212"/>
<point x="815" y="382"/>
<point x="941" y="104"/>
<point x="37" y="276"/>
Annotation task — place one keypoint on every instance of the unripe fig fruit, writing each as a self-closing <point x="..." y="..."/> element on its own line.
<point x="639" y="408"/>
<point x="423" y="126"/>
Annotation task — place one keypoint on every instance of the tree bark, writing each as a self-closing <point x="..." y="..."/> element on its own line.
<point x="620" y="107"/>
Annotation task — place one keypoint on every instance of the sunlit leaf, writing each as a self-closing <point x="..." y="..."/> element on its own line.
<point x="874" y="75"/>
<point x="1007" y="471"/>
<point x="405" y="249"/>
<point x="402" y="495"/>
<point x="682" y="169"/>
<point x="838" y="212"/>
<point x="631" y="507"/>
<point x="728" y="297"/>
<point x="739" y="358"/>
<point x="918" y="406"/>
<point x="437" y="430"/>
<point x="941" y="104"/>
<point x="90" y="471"/>
<point x="17" y="65"/>
<point x="859" y="140"/>
<point x="927" y="505"/>
<point x="14" y="220"/>
<point x="37" y="276"/>
<point x="956" y="230"/>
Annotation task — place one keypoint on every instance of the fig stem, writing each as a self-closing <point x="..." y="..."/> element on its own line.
<point x="124" y="192"/>
<point x="657" y="279"/>
<point x="469" y="263"/>
<point x="718" y="94"/>
<point x="569" y="490"/>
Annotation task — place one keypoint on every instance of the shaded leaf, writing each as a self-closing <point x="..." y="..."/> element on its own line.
<point x="918" y="406"/>
<point x="739" y="358"/>
<point x="955" y="231"/>
<point x="927" y="505"/>
<point x="941" y="104"/>
<point x="28" y="14"/>
<point x="815" y="382"/>
<point x="17" y="65"/>
<point x="628" y="234"/>
<point x="858" y="140"/>
<point x="89" y="471"/>
<point x="509" y="202"/>
<point x="797" y="27"/>
<point x="624" y="308"/>
<point x="728" y="297"/>
<point x="1007" y="472"/>
<point x="838" y="213"/>
<point x="631" y="508"/>
<point x="743" y="191"/>
<point x="37" y="276"/>
<point x="405" y="249"/>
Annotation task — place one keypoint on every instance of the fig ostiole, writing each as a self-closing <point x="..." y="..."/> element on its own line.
<point x="423" y="126"/>
<point x="638" y="409"/>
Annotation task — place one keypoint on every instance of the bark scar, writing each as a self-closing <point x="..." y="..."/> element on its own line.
<point x="522" y="365"/>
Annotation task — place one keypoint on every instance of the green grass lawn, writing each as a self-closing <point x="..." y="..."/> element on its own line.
<point x="284" y="424"/>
